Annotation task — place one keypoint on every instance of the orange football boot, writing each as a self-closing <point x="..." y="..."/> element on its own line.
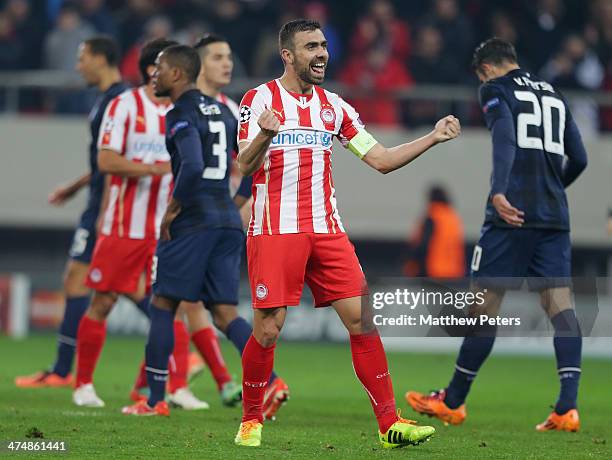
<point x="276" y="395"/>
<point x="143" y="409"/>
<point x="136" y="395"/>
<point x="556" y="422"/>
<point x="44" y="379"/>
<point x="196" y="366"/>
<point x="433" y="405"/>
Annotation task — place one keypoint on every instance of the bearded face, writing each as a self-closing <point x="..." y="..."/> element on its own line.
<point x="310" y="56"/>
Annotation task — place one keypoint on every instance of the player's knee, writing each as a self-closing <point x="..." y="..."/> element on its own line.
<point x="101" y="305"/>
<point x="556" y="300"/>
<point x="354" y="325"/>
<point x="74" y="281"/>
<point x="222" y="315"/>
<point x="190" y="308"/>
<point x="268" y="333"/>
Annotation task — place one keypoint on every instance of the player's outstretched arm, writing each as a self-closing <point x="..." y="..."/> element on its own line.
<point x="65" y="192"/>
<point x="386" y="160"/>
<point x="111" y="162"/>
<point x="251" y="155"/>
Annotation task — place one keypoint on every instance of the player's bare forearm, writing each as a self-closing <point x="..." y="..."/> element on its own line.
<point x="110" y="162"/>
<point x="240" y="200"/>
<point x="386" y="160"/>
<point x="64" y="193"/>
<point x="81" y="182"/>
<point x="252" y="156"/>
<point x="174" y="206"/>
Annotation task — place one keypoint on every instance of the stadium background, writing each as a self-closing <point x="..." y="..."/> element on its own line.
<point x="404" y="63"/>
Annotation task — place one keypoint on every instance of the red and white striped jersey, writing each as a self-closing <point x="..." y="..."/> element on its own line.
<point x="135" y="127"/>
<point x="294" y="191"/>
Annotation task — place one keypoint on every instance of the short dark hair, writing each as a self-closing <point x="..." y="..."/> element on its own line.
<point x="289" y="29"/>
<point x="494" y="51"/>
<point x="104" y="45"/>
<point x="438" y="194"/>
<point x="149" y="53"/>
<point x="208" y="39"/>
<point x="185" y="58"/>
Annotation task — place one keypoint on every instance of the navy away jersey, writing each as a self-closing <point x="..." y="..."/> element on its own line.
<point x="537" y="149"/>
<point x="96" y="114"/>
<point x="200" y="138"/>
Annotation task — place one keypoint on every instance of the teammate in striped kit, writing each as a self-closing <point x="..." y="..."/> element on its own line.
<point x="296" y="234"/>
<point x="132" y="152"/>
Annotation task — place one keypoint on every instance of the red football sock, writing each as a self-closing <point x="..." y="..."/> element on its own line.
<point x="370" y="364"/>
<point x="257" y="364"/>
<point x="207" y="343"/>
<point x="179" y="365"/>
<point x="90" y="340"/>
<point x="141" y="379"/>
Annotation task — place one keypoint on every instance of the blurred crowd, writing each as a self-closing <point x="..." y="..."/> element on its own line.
<point x="377" y="47"/>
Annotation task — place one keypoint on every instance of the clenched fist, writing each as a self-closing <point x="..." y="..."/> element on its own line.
<point x="269" y="123"/>
<point x="446" y="129"/>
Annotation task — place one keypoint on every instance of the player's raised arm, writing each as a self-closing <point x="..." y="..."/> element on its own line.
<point x="353" y="136"/>
<point x="251" y="154"/>
<point x="385" y="159"/>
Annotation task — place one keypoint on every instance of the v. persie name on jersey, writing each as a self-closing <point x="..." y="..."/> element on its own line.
<point x="301" y="137"/>
<point x="536" y="85"/>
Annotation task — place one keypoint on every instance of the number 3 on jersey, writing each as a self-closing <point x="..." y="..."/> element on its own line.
<point x="219" y="150"/>
<point x="552" y="126"/>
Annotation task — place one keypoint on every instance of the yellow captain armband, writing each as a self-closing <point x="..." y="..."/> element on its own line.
<point x="361" y="143"/>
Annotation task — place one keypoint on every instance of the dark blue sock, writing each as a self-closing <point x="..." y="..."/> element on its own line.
<point x="238" y="332"/>
<point x="143" y="305"/>
<point x="568" y="351"/>
<point x="158" y="351"/>
<point x="474" y="350"/>
<point x="66" y="339"/>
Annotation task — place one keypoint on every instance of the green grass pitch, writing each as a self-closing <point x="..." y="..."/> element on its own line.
<point x="328" y="415"/>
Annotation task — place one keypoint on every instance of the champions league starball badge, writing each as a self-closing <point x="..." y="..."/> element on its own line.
<point x="245" y="114"/>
